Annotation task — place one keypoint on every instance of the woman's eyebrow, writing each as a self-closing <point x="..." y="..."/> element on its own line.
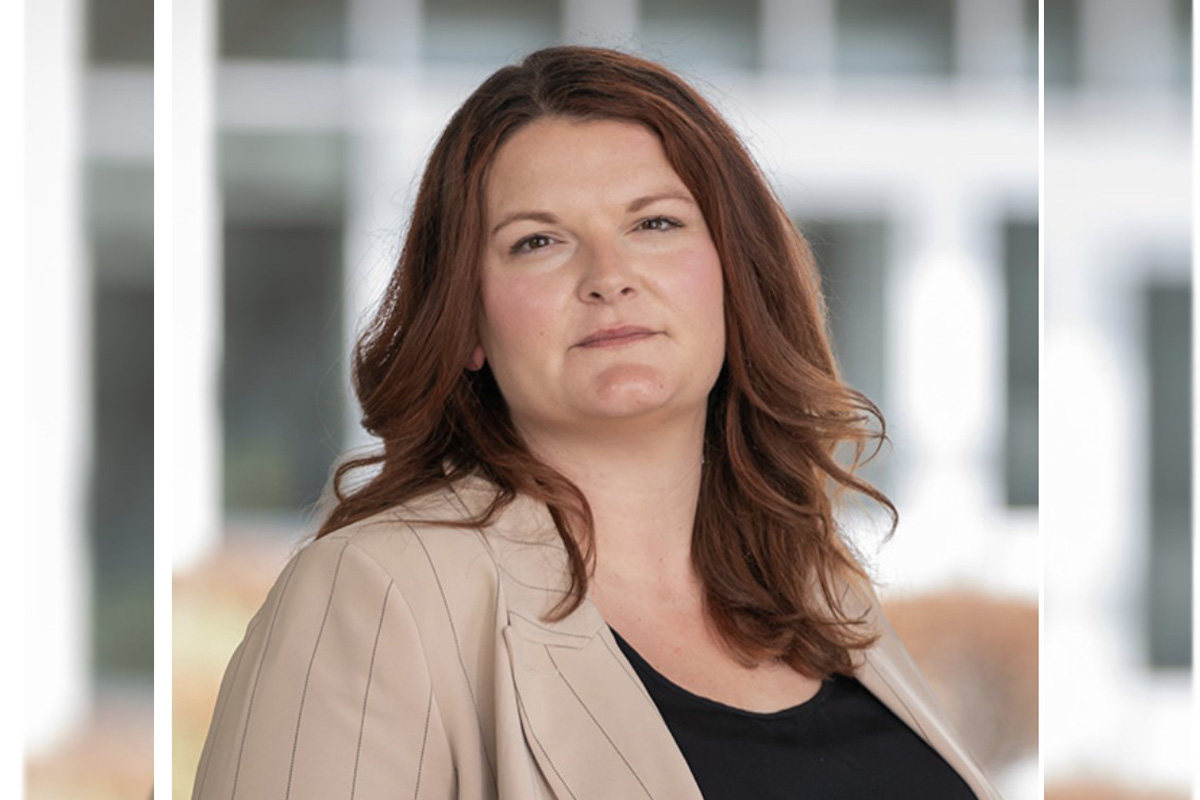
<point x="672" y="194"/>
<point x="634" y="206"/>
<point x="536" y="216"/>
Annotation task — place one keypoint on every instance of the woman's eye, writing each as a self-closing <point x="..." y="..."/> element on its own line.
<point x="530" y="243"/>
<point x="659" y="224"/>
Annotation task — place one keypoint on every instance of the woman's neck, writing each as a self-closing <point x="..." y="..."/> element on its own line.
<point x="643" y="492"/>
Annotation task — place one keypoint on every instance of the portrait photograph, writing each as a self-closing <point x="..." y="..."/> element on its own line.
<point x="761" y="284"/>
<point x="548" y="399"/>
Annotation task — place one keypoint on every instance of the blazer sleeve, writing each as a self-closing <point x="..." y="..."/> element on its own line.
<point x="329" y="694"/>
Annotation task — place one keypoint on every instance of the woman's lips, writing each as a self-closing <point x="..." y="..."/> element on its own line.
<point x="615" y="337"/>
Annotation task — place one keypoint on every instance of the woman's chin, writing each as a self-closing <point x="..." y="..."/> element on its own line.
<point x="629" y="402"/>
<point x="635" y="391"/>
<point x="631" y="410"/>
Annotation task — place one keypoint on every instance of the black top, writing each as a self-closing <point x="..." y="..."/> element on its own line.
<point x="843" y="744"/>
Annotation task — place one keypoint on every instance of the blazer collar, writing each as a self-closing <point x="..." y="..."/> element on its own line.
<point x="572" y="679"/>
<point x="589" y="721"/>
<point x="533" y="561"/>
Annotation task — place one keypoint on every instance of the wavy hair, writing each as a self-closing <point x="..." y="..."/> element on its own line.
<point x="765" y="541"/>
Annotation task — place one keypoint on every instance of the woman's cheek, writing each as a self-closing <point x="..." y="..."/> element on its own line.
<point x="699" y="282"/>
<point x="521" y="312"/>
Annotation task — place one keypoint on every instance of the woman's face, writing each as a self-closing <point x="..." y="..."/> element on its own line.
<point x="589" y="229"/>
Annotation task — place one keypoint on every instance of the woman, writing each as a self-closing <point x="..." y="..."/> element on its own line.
<point x="596" y="556"/>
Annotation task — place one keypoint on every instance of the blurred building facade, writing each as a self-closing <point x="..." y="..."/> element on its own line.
<point x="901" y="137"/>
<point x="904" y="150"/>
<point x="1117" y="517"/>
<point x="118" y="182"/>
<point x="90" y="592"/>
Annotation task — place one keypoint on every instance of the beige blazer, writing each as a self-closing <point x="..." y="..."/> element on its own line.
<point x="395" y="660"/>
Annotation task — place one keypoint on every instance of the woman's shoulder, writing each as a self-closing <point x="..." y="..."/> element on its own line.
<point x="404" y="541"/>
<point x="358" y="632"/>
<point x="425" y="549"/>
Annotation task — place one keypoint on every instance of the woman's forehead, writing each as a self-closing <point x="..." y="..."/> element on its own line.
<point x="554" y="159"/>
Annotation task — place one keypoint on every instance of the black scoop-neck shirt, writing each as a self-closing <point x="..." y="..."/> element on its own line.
<point x="842" y="744"/>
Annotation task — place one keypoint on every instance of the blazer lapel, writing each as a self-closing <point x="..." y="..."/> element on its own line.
<point x="590" y="723"/>
<point x="594" y="731"/>
<point x="588" y="720"/>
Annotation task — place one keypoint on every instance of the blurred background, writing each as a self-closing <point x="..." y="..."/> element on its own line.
<point x="89" y="402"/>
<point x="1117" y="455"/>
<point x="901" y="136"/>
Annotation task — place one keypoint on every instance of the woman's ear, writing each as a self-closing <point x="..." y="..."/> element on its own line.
<point x="477" y="358"/>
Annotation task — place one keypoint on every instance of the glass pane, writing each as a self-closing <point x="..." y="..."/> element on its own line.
<point x="707" y="34"/>
<point x="279" y="29"/>
<point x="1021" y="337"/>
<point x="1061" y="49"/>
<point x="1032" y="9"/>
<point x="852" y="258"/>
<point x="120" y="31"/>
<point x="121" y="502"/>
<point x="281" y="378"/>
<point x="1168" y="314"/>
<point x="283" y="177"/>
<point x="483" y="32"/>
<point x="283" y="399"/>
<point x="883" y="37"/>
<point x="1182" y="35"/>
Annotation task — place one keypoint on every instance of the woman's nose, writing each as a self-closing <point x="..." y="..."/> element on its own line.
<point x="608" y="274"/>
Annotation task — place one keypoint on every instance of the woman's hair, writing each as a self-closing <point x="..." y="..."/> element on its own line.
<point x="765" y="543"/>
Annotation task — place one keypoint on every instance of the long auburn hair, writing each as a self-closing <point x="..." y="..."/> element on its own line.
<point x="765" y="542"/>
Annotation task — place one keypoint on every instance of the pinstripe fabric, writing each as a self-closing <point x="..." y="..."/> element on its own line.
<point x="401" y="660"/>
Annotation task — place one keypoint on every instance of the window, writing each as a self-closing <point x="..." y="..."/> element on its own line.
<point x="707" y="34"/>
<point x="283" y="399"/>
<point x="491" y="33"/>
<point x="852" y="258"/>
<point x="283" y="29"/>
<point x="1168" y="351"/>
<point x="1181" y="34"/>
<point x="883" y="37"/>
<point x="121" y="487"/>
<point x="120" y="32"/>
<point x="1031" y="11"/>
<point x="1020" y="260"/>
<point x="1061" y="49"/>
